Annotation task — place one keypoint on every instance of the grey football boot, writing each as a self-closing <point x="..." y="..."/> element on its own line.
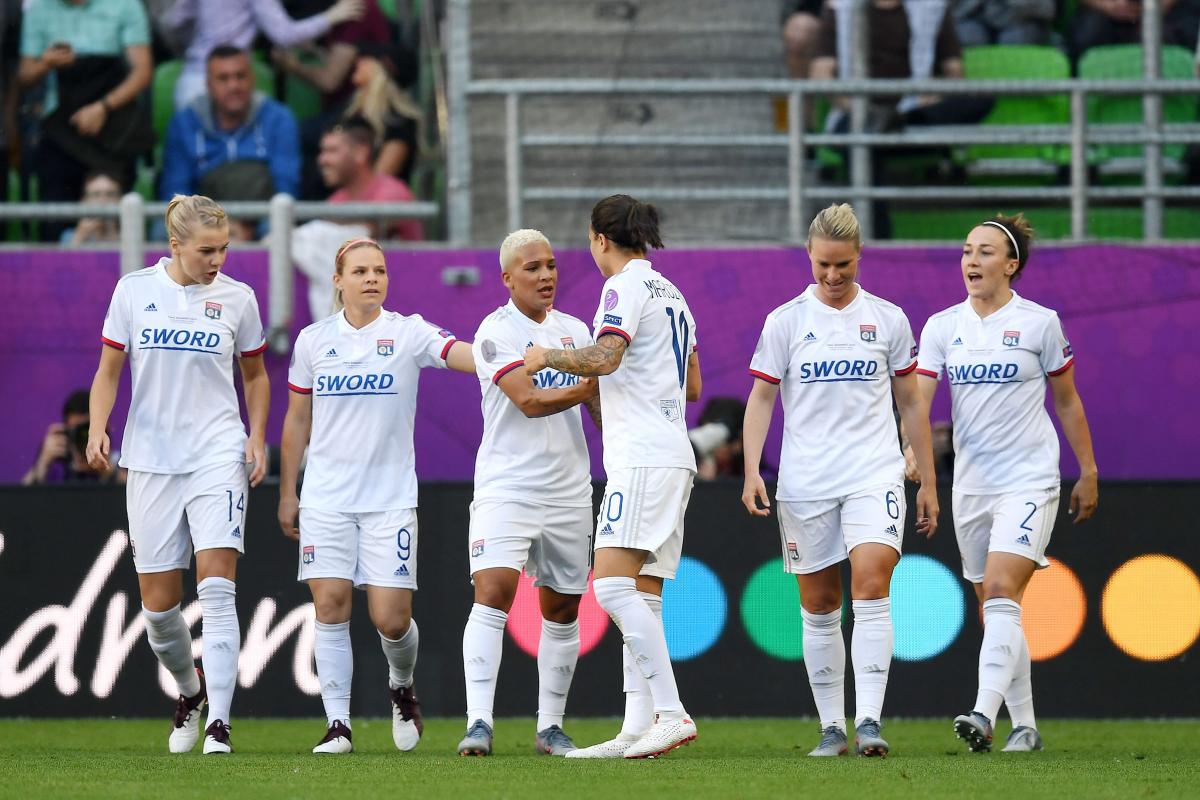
<point x="867" y="741"/>
<point x="976" y="730"/>
<point x="1023" y="739"/>
<point x="553" y="741"/>
<point x="833" y="743"/>
<point x="478" y="741"/>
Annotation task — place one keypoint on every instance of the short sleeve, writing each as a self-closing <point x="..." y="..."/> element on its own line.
<point x="135" y="28"/>
<point x="34" y="38"/>
<point x="620" y="310"/>
<point x="494" y="357"/>
<point x="431" y="344"/>
<point x="932" y="359"/>
<point x="250" y="338"/>
<point x="1056" y="356"/>
<point x="771" y="355"/>
<point x="116" y="330"/>
<point x="902" y="348"/>
<point x="300" y="372"/>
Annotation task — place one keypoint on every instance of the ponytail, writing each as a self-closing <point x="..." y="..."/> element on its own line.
<point x="628" y="223"/>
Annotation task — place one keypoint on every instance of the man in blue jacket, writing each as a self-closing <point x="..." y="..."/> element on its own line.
<point x="233" y="143"/>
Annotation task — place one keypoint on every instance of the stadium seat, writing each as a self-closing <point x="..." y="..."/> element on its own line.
<point x="1116" y="62"/>
<point x="937" y="223"/>
<point x="1016" y="62"/>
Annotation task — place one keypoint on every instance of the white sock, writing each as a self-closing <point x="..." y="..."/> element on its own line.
<point x="335" y="668"/>
<point x="639" y="703"/>
<point x="643" y="635"/>
<point x="1019" y="697"/>
<point x="401" y="656"/>
<point x="825" y="660"/>
<point x="1002" y="640"/>
<point x="171" y="641"/>
<point x="558" y="652"/>
<point x="222" y="642"/>
<point x="871" y="652"/>
<point x="483" y="645"/>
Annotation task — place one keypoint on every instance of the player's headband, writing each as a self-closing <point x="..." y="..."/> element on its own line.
<point x="994" y="224"/>
<point x="353" y="243"/>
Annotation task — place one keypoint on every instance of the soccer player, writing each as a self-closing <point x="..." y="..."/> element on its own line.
<point x="532" y="437"/>
<point x="353" y="400"/>
<point x="998" y="350"/>
<point x="840" y="355"/>
<point x="180" y="322"/>
<point x="645" y="357"/>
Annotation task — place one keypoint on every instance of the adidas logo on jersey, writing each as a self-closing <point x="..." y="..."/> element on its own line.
<point x="1023" y="540"/>
<point x="606" y="530"/>
<point x="810" y="337"/>
<point x="151" y="307"/>
<point x="331" y="354"/>
<point x="957" y="340"/>
<point x="892" y="530"/>
<point x="403" y="571"/>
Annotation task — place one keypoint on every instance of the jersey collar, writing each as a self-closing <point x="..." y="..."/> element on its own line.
<point x="519" y="315"/>
<point x="811" y="292"/>
<point x="345" y="327"/>
<point x="635" y="263"/>
<point x="997" y="314"/>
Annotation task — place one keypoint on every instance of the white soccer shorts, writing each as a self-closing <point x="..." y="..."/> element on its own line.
<point x="374" y="548"/>
<point x="172" y="516"/>
<point x="551" y="543"/>
<point x="1013" y="522"/>
<point x="818" y="533"/>
<point x="643" y="509"/>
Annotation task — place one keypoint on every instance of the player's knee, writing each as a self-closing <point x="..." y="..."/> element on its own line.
<point x="494" y="596"/>
<point x="997" y="587"/>
<point x="395" y="624"/>
<point x="821" y="602"/>
<point x="563" y="609"/>
<point x="870" y="587"/>
<point x="332" y="610"/>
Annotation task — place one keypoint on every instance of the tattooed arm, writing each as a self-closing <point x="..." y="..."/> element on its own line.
<point x="601" y="358"/>
<point x="593" y="408"/>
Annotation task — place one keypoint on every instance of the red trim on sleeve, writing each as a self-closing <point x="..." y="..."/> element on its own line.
<point x="1063" y="368"/>
<point x="765" y="377"/>
<point x="299" y="389"/>
<point x="907" y="369"/>
<point x="446" y="350"/>
<point x="258" y="351"/>
<point x="500" y="373"/>
<point x="111" y="343"/>
<point x="926" y="373"/>
<point x="617" y="331"/>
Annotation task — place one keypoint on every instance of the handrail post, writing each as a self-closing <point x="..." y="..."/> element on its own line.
<point x="1152" y="201"/>
<point x="1079" y="165"/>
<point x="458" y="150"/>
<point x="512" y="159"/>
<point x="860" y="155"/>
<point x="280" y="293"/>
<point x="133" y="233"/>
<point x="795" y="109"/>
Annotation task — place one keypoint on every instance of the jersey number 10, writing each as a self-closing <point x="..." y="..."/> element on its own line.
<point x="679" y="342"/>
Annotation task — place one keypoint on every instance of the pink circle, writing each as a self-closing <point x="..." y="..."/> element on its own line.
<point x="610" y="300"/>
<point x="525" y="619"/>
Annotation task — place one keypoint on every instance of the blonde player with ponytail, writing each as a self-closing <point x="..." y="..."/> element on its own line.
<point x="180" y="323"/>
<point x="352" y="404"/>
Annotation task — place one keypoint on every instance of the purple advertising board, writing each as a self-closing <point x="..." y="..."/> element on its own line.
<point x="1129" y="311"/>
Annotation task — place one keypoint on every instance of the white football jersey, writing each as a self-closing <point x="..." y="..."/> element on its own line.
<point x="1004" y="440"/>
<point x="835" y="367"/>
<point x="183" y="413"/>
<point x="644" y="399"/>
<point x="544" y="460"/>
<point x="363" y="384"/>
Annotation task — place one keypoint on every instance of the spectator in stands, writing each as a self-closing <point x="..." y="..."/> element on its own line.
<point x="233" y="143"/>
<point x="717" y="439"/>
<point x="237" y="23"/>
<point x="61" y="457"/>
<point x="346" y="163"/>
<point x="99" y="188"/>
<point x="97" y="55"/>
<point x="801" y="25"/>
<point x="983" y="22"/>
<point x="1100" y="22"/>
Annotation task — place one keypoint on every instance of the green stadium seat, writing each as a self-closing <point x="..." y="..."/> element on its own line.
<point x="1017" y="62"/>
<point x="1117" y="62"/>
<point x="388" y="7"/>
<point x="937" y="223"/>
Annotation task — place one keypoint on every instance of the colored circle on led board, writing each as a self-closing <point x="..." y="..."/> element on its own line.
<point x="927" y="608"/>
<point x="1151" y="607"/>
<point x="770" y="610"/>
<point x="694" y="609"/>
<point x="1053" y="611"/>
<point x="525" y="619"/>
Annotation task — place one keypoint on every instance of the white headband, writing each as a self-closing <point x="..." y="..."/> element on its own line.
<point x="1010" y="236"/>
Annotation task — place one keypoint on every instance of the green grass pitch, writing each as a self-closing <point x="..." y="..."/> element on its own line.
<point x="115" y="758"/>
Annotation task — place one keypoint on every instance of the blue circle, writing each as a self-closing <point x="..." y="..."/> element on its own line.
<point x="694" y="610"/>
<point x="927" y="608"/>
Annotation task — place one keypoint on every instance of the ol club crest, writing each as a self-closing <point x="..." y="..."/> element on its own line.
<point x="385" y="347"/>
<point x="866" y="332"/>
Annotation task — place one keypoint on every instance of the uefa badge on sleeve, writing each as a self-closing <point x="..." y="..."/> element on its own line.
<point x="385" y="347"/>
<point x="1012" y="338"/>
<point x="212" y="310"/>
<point x="866" y="333"/>
<point x="309" y="554"/>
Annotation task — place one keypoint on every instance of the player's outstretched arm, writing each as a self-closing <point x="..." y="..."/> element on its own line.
<point x="694" y="382"/>
<point x="100" y="403"/>
<point x="297" y="427"/>
<point x="760" y="405"/>
<point x="534" y="402"/>
<point x="914" y="416"/>
<point x="592" y="404"/>
<point x="1068" y="406"/>
<point x="601" y="358"/>
<point x="460" y="359"/>
<point x="256" y="387"/>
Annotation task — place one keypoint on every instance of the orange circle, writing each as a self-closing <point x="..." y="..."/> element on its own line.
<point x="1151" y="607"/>
<point x="1053" y="610"/>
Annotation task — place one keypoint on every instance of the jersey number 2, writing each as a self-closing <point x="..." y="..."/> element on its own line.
<point x="679" y="342"/>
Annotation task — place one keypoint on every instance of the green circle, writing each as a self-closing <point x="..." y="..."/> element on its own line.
<point x="770" y="610"/>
